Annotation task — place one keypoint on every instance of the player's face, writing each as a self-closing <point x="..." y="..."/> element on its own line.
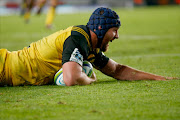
<point x="110" y="35"/>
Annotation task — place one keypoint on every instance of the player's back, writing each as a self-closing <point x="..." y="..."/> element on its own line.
<point x="38" y="63"/>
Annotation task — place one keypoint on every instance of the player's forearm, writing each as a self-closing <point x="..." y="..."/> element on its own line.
<point x="78" y="79"/>
<point x="73" y="75"/>
<point x="85" y="80"/>
<point x="128" y="73"/>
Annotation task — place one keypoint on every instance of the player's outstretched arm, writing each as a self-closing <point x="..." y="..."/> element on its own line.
<point x="123" y="72"/>
<point x="73" y="75"/>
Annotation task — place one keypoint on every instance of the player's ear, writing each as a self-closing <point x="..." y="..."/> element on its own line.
<point x="99" y="27"/>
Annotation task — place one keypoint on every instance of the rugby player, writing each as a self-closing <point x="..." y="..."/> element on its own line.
<point x="27" y="6"/>
<point x="67" y="49"/>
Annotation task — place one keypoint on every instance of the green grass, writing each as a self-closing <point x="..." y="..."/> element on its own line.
<point x="149" y="40"/>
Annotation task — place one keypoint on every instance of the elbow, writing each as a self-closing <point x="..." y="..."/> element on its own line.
<point x="70" y="80"/>
<point x="69" y="84"/>
<point x="119" y="72"/>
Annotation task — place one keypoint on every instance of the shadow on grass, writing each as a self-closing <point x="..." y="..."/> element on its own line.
<point x="31" y="87"/>
<point x="106" y="82"/>
<point x="114" y="81"/>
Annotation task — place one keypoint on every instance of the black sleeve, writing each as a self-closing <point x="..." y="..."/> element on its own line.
<point x="98" y="59"/>
<point x="74" y="49"/>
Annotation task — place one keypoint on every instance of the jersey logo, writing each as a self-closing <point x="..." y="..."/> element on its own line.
<point x="76" y="57"/>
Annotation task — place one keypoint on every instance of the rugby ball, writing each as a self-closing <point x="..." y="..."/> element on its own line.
<point x="58" y="78"/>
<point x="87" y="68"/>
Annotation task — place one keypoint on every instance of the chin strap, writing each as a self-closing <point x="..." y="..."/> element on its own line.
<point x="99" y="43"/>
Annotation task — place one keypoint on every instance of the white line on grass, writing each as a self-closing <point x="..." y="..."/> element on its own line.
<point x="151" y="55"/>
<point x="25" y="35"/>
<point x="147" y="37"/>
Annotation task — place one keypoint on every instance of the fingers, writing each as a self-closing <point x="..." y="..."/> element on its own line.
<point x="93" y="76"/>
<point x="172" y="78"/>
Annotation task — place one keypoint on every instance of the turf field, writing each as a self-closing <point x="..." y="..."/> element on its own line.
<point x="149" y="40"/>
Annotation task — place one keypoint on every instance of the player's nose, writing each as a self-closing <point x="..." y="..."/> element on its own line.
<point x="117" y="35"/>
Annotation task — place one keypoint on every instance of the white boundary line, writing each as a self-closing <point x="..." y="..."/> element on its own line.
<point x="151" y="55"/>
<point x="147" y="37"/>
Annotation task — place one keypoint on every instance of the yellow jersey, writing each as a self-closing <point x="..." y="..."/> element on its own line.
<point x="38" y="63"/>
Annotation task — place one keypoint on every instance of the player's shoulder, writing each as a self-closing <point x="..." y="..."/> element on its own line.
<point x="81" y="31"/>
<point x="81" y="27"/>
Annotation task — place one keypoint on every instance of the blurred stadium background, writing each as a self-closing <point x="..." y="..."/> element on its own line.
<point x="149" y="40"/>
<point x="8" y="7"/>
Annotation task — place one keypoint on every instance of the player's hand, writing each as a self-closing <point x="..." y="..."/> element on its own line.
<point x="172" y="78"/>
<point x="166" y="78"/>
